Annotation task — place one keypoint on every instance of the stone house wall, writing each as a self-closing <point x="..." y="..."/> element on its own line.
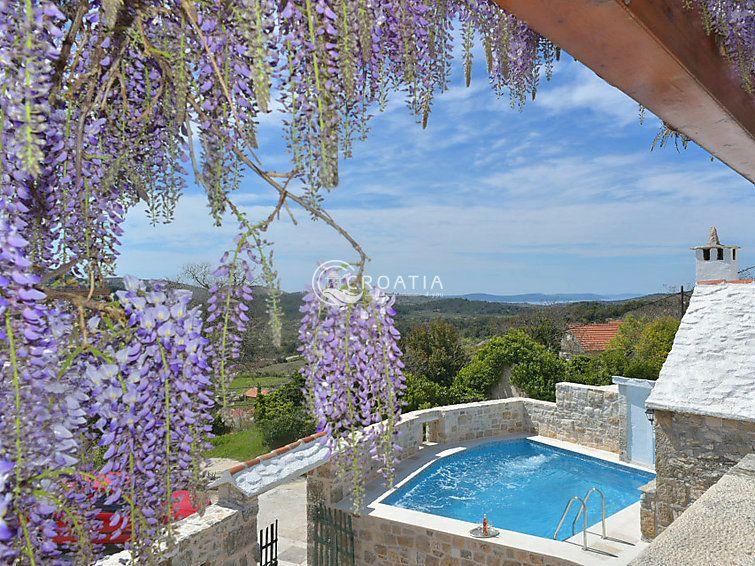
<point x="570" y="346"/>
<point x="718" y="528"/>
<point x="692" y="453"/>
<point x="224" y="535"/>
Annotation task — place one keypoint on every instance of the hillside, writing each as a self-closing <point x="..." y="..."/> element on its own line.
<point x="476" y="320"/>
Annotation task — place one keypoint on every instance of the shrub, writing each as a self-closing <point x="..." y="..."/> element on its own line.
<point x="290" y="393"/>
<point x="588" y="371"/>
<point x="281" y="415"/>
<point x="538" y="374"/>
<point x="486" y="368"/>
<point x="219" y="426"/>
<point x="640" y="348"/>
<point x="434" y="352"/>
<point x="284" y="424"/>
<point x="422" y="393"/>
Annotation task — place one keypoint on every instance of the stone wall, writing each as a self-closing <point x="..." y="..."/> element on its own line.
<point x="380" y="542"/>
<point x="717" y="529"/>
<point x="224" y="535"/>
<point x="583" y="414"/>
<point x="504" y="389"/>
<point x="472" y="421"/>
<point x="692" y="453"/>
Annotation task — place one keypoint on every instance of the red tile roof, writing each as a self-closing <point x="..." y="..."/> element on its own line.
<point x="255" y="391"/>
<point x="277" y="452"/>
<point x="719" y="281"/>
<point x="594" y="337"/>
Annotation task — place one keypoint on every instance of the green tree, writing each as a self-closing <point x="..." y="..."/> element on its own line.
<point x="546" y="332"/>
<point x="538" y="374"/>
<point x="288" y="423"/>
<point x="588" y="370"/>
<point x="476" y="379"/>
<point x="434" y="351"/>
<point x="641" y="347"/>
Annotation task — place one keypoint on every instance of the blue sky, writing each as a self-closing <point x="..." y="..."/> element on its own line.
<point x="564" y="196"/>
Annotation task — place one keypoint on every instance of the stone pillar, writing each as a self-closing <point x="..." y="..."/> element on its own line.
<point x="323" y="487"/>
<point x="648" y="519"/>
<point x="240" y="543"/>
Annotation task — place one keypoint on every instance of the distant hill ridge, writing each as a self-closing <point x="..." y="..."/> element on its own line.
<point x="547" y="299"/>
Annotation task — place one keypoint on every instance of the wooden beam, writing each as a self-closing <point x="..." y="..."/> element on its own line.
<point x="657" y="52"/>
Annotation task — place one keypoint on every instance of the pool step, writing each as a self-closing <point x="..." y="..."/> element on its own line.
<point x="609" y="547"/>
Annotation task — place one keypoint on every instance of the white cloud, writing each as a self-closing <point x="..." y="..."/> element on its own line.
<point x="587" y="91"/>
<point x="491" y="199"/>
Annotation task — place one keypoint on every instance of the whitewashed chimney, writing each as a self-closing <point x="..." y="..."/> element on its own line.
<point x="715" y="261"/>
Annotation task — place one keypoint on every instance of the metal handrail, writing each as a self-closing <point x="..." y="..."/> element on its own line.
<point x="566" y="512"/>
<point x="602" y="509"/>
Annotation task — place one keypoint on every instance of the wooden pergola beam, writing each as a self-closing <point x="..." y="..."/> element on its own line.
<point x="657" y="52"/>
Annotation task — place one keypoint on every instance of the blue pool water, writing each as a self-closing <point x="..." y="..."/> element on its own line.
<point x="521" y="485"/>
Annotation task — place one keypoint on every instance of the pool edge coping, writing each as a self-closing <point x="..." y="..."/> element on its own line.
<point x="566" y="550"/>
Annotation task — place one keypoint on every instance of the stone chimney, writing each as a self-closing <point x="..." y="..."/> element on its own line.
<point x="716" y="261"/>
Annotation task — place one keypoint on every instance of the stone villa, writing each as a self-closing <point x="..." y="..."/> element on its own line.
<point x="698" y="511"/>
<point x="703" y="403"/>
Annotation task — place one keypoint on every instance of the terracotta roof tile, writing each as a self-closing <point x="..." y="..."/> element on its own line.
<point x="595" y="337"/>
<point x="255" y="391"/>
<point x="719" y="281"/>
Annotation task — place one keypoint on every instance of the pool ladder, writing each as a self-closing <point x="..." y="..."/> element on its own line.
<point x="583" y="513"/>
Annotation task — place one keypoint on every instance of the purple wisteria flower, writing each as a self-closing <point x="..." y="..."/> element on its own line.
<point x="99" y="105"/>
<point x="354" y="380"/>
<point x="6" y="498"/>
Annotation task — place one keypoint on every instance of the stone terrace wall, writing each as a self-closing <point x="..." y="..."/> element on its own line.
<point x="224" y="535"/>
<point x="380" y="542"/>
<point x="583" y="414"/>
<point x="472" y="421"/>
<point x="692" y="453"/>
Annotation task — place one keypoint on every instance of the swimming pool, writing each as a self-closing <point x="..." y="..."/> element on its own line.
<point x="521" y="485"/>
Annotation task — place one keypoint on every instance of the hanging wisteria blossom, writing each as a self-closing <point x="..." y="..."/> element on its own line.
<point x="354" y="379"/>
<point x="106" y="104"/>
<point x="732" y="22"/>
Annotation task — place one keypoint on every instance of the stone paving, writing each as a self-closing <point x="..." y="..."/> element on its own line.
<point x="288" y="504"/>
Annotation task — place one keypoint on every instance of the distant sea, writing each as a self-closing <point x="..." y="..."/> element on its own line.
<point x="546" y="299"/>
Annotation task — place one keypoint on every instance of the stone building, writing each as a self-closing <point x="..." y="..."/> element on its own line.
<point x="587" y="339"/>
<point x="703" y="404"/>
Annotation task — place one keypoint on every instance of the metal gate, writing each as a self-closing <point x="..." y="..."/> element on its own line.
<point x="334" y="537"/>
<point x="269" y="545"/>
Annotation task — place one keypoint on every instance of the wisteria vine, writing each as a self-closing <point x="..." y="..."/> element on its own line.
<point x="354" y="379"/>
<point x="732" y="23"/>
<point x="105" y="104"/>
